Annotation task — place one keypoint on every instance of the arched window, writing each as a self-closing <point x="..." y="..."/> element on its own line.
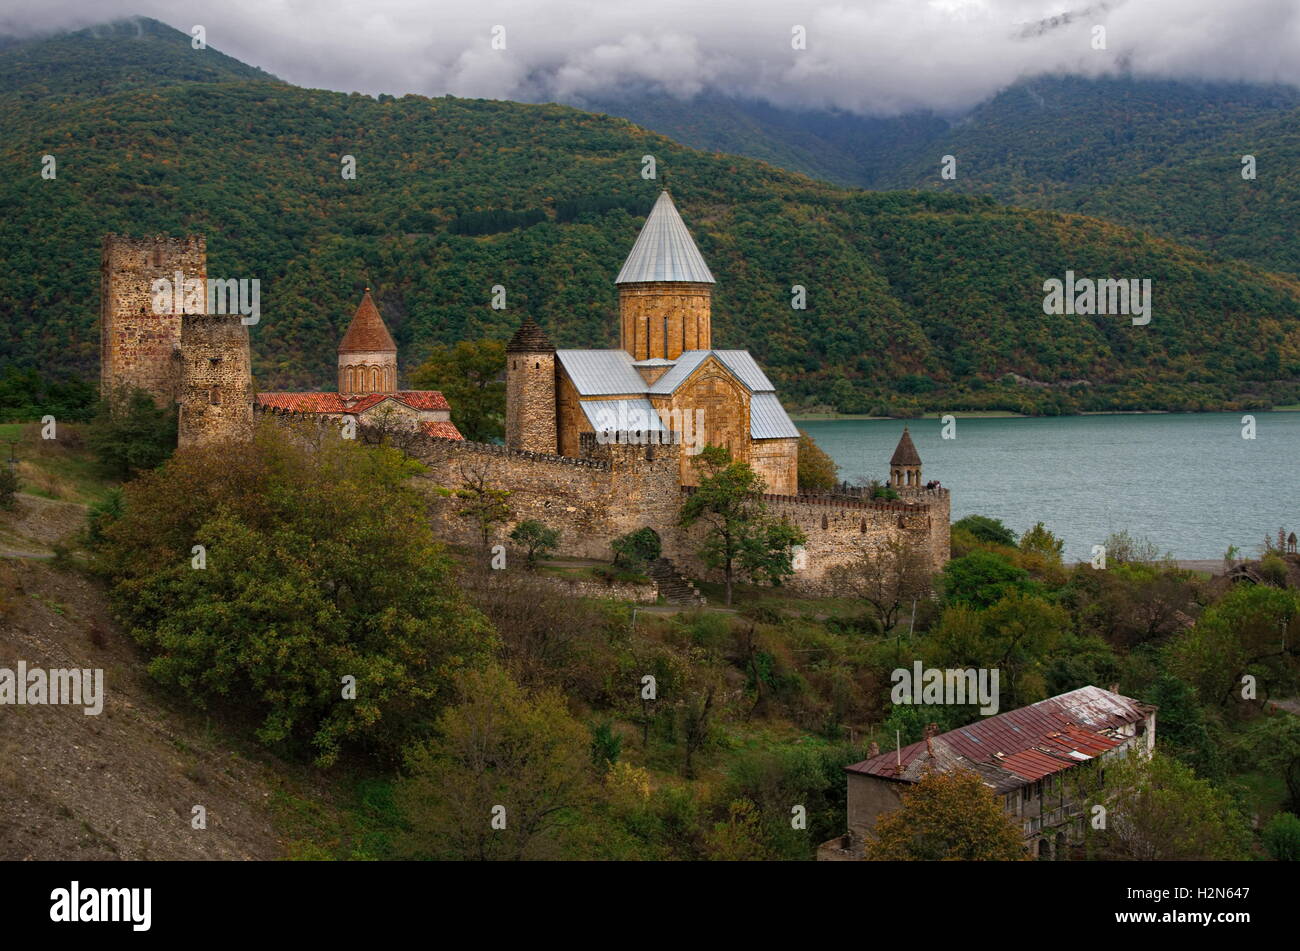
<point x="824" y="522"/>
<point x="390" y="383"/>
<point x="862" y="526"/>
<point x="374" y="379"/>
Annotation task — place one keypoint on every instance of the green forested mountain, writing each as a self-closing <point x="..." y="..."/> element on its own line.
<point x="1165" y="156"/>
<point x="913" y="299"/>
<point x="128" y="54"/>
<point x="1154" y="154"/>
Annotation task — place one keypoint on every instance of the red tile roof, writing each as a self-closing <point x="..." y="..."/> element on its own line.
<point x="442" y="430"/>
<point x="303" y="402"/>
<point x="1019" y="746"/>
<point x="336" y="403"/>
<point x="367" y="330"/>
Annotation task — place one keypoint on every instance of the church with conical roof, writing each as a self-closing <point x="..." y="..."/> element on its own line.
<point x="367" y="384"/>
<point x="664" y="384"/>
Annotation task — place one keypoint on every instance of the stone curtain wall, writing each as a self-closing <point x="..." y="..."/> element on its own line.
<point x="591" y="501"/>
<point x="138" y="347"/>
<point x="839" y="528"/>
<point x="594" y="499"/>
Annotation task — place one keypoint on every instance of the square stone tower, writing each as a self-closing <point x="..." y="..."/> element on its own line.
<point x="138" y="347"/>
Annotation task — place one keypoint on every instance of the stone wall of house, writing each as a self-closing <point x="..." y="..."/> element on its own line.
<point x="138" y="347"/>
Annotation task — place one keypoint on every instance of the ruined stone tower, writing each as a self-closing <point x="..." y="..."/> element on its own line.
<point x="530" y="390"/>
<point x="367" y="353"/>
<point x="138" y="346"/>
<point x="216" y="383"/>
<point x="665" y="290"/>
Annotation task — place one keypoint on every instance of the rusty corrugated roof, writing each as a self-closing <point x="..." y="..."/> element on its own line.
<point x="1019" y="746"/>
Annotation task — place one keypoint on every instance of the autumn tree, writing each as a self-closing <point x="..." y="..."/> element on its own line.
<point x="471" y="375"/>
<point x="496" y="782"/>
<point x="1157" y="810"/>
<point x="817" y="470"/>
<point x="481" y="503"/>
<point x="741" y="537"/>
<point x="301" y="584"/>
<point x="887" y="577"/>
<point x="535" y="539"/>
<point x="947" y="815"/>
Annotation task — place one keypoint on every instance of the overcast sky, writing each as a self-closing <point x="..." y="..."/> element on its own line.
<point x="877" y="57"/>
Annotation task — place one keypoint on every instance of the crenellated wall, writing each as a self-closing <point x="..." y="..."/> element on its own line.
<point x="613" y="489"/>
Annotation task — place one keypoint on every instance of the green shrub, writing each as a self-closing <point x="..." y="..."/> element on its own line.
<point x="1282" y="837"/>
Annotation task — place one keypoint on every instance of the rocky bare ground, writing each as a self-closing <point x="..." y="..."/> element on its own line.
<point x="123" y="784"/>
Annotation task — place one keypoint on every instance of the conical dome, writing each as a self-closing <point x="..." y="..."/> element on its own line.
<point x="367" y="332"/>
<point x="906" y="454"/>
<point x="664" y="250"/>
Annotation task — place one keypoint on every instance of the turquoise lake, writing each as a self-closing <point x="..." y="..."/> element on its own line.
<point x="1187" y="481"/>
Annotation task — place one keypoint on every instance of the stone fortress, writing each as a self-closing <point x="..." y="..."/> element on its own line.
<point x="598" y="442"/>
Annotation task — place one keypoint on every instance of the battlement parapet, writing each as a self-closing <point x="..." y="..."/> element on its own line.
<point x="419" y="444"/>
<point x="831" y="500"/>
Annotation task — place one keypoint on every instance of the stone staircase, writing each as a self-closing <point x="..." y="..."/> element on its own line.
<point x="675" y="587"/>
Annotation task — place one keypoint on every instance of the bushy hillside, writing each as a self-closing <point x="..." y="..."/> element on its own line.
<point x="1155" y="154"/>
<point x="913" y="300"/>
<point x="1165" y="156"/>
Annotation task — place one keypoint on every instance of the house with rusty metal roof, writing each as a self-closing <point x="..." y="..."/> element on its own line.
<point x="1022" y="756"/>
<point x="666" y="380"/>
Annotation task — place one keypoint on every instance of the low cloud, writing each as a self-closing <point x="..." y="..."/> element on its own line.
<point x="884" y="57"/>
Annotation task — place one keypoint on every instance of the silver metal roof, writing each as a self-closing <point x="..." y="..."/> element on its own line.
<point x="622" y="416"/>
<point x="768" y="419"/>
<point x="664" y="250"/>
<point x="686" y="363"/>
<point x="747" y="369"/>
<point x="601" y="372"/>
<point x="739" y="362"/>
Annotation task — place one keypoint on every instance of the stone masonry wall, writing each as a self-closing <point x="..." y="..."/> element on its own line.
<point x="216" y="383"/>
<point x="593" y="500"/>
<point x="674" y="315"/>
<point x="138" y="348"/>
<point x="530" y="401"/>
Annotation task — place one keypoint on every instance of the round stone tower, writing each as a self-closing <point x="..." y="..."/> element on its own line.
<point x="367" y="353"/>
<point x="665" y="290"/>
<point x="530" y="390"/>
<point x="905" y="464"/>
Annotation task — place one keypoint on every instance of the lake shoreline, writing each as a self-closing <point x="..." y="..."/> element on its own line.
<point x="1008" y="414"/>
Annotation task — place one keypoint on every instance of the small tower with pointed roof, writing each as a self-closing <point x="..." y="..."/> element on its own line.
<point x="665" y="290"/>
<point x="367" y="353"/>
<point x="530" y="390"/>
<point x="905" y="465"/>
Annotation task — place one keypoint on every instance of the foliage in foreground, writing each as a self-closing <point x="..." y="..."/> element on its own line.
<point x="316" y="566"/>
